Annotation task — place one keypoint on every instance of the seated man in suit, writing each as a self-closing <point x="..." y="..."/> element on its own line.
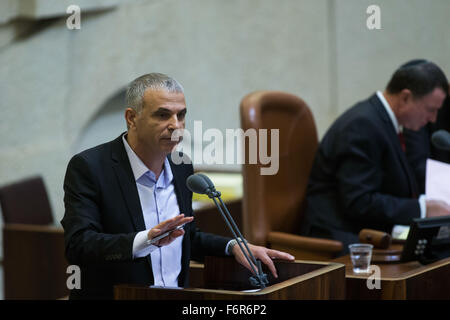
<point x="121" y="194"/>
<point x="361" y="177"/>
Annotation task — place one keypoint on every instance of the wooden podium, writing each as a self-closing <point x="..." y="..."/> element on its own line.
<point x="222" y="278"/>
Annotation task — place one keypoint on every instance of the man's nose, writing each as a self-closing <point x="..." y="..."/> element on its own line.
<point x="174" y="122"/>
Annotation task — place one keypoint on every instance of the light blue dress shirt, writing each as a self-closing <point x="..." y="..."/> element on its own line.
<point x="159" y="203"/>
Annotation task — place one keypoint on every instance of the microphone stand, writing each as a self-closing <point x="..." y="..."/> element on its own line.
<point x="260" y="278"/>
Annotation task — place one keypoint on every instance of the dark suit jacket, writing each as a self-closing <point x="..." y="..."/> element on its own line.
<point x="103" y="215"/>
<point x="360" y="177"/>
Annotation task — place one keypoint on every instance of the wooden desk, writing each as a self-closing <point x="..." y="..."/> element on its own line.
<point x="224" y="279"/>
<point x="400" y="281"/>
<point x="34" y="262"/>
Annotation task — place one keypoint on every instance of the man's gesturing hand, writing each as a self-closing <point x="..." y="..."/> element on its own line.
<point x="167" y="226"/>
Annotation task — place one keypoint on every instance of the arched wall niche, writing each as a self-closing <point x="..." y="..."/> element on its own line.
<point x="106" y="124"/>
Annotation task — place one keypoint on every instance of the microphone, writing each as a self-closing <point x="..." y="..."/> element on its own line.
<point x="197" y="184"/>
<point x="207" y="180"/>
<point x="200" y="183"/>
<point x="441" y="140"/>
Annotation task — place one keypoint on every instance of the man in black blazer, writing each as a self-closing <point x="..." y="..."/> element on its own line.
<point x="361" y="177"/>
<point x="121" y="194"/>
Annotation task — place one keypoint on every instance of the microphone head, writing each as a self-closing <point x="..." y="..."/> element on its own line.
<point x="197" y="184"/>
<point x="441" y="140"/>
<point x="207" y="180"/>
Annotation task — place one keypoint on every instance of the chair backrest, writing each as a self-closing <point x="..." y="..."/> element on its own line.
<point x="276" y="202"/>
<point x="26" y="202"/>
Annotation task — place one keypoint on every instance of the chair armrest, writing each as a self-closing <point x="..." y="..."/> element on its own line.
<point x="304" y="243"/>
<point x="379" y="239"/>
<point x="33" y="228"/>
<point x="34" y="262"/>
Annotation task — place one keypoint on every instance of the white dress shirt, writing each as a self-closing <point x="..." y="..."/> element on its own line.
<point x="398" y="128"/>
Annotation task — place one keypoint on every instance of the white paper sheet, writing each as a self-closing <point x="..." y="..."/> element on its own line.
<point x="437" y="186"/>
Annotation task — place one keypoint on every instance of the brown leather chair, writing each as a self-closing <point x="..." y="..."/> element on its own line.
<point x="26" y="202"/>
<point x="273" y="205"/>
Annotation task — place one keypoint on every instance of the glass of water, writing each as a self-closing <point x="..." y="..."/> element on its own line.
<point x="361" y="254"/>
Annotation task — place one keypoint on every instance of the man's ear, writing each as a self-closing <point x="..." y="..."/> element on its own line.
<point x="405" y="96"/>
<point x="130" y="118"/>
